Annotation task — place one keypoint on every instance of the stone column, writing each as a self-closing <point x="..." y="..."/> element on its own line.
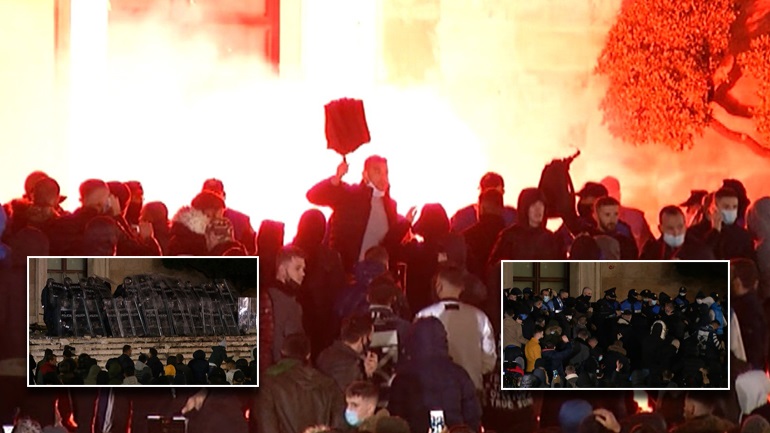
<point x="588" y="275"/>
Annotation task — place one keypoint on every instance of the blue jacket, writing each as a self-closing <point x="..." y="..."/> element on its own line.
<point x="635" y="306"/>
<point x="719" y="316"/>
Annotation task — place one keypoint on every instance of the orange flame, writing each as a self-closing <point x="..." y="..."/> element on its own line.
<point x="642" y="402"/>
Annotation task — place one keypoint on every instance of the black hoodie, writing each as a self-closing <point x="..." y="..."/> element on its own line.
<point x="428" y="379"/>
<point x="522" y="242"/>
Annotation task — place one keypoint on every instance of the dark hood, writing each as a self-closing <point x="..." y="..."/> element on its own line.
<point x="427" y="339"/>
<point x="433" y="223"/>
<point x="270" y="237"/>
<point x="199" y="354"/>
<point x="527" y="198"/>
<point x="311" y="230"/>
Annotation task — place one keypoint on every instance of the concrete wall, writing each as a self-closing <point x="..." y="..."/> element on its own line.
<point x="658" y="277"/>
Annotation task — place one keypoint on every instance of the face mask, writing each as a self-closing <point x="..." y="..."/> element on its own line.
<point x="546" y="299"/>
<point x="585" y="210"/>
<point x="729" y="216"/>
<point x="654" y="303"/>
<point x="673" y="241"/>
<point x="352" y="418"/>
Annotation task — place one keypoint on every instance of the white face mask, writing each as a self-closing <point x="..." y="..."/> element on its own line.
<point x="673" y="241"/>
<point x="729" y="216"/>
<point x="546" y="299"/>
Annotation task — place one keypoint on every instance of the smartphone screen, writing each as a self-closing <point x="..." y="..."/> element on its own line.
<point x="437" y="421"/>
<point x="7" y="428"/>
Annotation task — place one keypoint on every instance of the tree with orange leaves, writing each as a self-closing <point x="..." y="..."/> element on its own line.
<point x="660" y="59"/>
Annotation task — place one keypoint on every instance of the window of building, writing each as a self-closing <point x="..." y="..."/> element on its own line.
<point x="538" y="276"/>
<point x="61" y="268"/>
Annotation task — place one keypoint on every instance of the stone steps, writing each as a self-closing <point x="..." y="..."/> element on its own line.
<point x="102" y="349"/>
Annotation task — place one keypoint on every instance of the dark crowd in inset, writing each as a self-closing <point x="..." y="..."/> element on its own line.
<point x="646" y="341"/>
<point x="371" y="320"/>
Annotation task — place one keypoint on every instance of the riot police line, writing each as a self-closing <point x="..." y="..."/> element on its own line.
<point x="145" y="306"/>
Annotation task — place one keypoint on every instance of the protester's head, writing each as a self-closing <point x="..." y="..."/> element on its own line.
<point x="101" y="236"/>
<point x="153" y="352"/>
<point x="46" y="193"/>
<point x="378" y="254"/>
<point x="217" y="376"/>
<point x="672" y="226"/>
<point x="311" y="229"/>
<point x="755" y="424"/>
<point x="361" y="398"/>
<point x="572" y="413"/>
<point x="95" y="194"/>
<point x="587" y="292"/>
<point x="607" y="213"/>
<point x="290" y="265"/>
<point x="433" y="222"/>
<point x="531" y="208"/>
<point x="612" y="184"/>
<point x="239" y="378"/>
<point x="127" y="350"/>
<point x="564" y="293"/>
<point x="376" y="172"/>
<point x="296" y="346"/>
<point x="491" y="202"/>
<point x="121" y="191"/>
<point x="593" y="342"/>
<point x="137" y="191"/>
<point x="726" y="202"/>
<point x="570" y="369"/>
<point x="27" y="425"/>
<point x="591" y="192"/>
<point x="30" y="182"/>
<point x="449" y="282"/>
<point x="382" y="291"/>
<point x="212" y="205"/>
<point x="697" y="404"/>
<point x="171" y="360"/>
<point x="356" y="332"/>
<point x="745" y="276"/>
<point x="180" y="359"/>
<point x="142" y="358"/>
<point x="154" y="212"/>
<point x="539" y="332"/>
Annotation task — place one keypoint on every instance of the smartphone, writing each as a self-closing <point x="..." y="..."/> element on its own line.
<point x="437" y="423"/>
<point x="7" y="428"/>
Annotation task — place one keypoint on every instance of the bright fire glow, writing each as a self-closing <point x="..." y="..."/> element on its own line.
<point x="178" y="115"/>
<point x="643" y="401"/>
<point x="166" y="109"/>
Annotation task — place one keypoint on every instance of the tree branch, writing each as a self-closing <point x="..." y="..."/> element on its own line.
<point x="745" y="139"/>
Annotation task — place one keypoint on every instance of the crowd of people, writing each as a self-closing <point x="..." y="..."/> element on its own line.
<point x="647" y="341"/>
<point x="147" y="369"/>
<point x="406" y="305"/>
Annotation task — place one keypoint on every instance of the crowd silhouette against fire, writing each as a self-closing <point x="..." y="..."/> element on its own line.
<point x="372" y="319"/>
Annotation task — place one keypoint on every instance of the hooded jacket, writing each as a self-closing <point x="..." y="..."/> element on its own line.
<point x="522" y="242"/>
<point x="199" y="367"/>
<point x="294" y="396"/>
<point x="758" y="220"/>
<point x="188" y="230"/>
<point x="428" y="379"/>
<point x="287" y="315"/>
<point x="323" y="282"/>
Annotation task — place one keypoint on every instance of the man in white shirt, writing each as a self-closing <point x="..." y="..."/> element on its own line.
<point x="469" y="331"/>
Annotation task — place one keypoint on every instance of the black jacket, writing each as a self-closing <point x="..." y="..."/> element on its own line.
<point x="200" y="368"/>
<point x="481" y="238"/>
<point x="293" y="397"/>
<point x="351" y="205"/>
<point x="522" y="242"/>
<point x="429" y="379"/>
<point x="692" y="249"/>
<point x="341" y="363"/>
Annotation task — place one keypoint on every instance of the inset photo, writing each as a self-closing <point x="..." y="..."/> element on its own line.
<point x="143" y="321"/>
<point x="615" y="325"/>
